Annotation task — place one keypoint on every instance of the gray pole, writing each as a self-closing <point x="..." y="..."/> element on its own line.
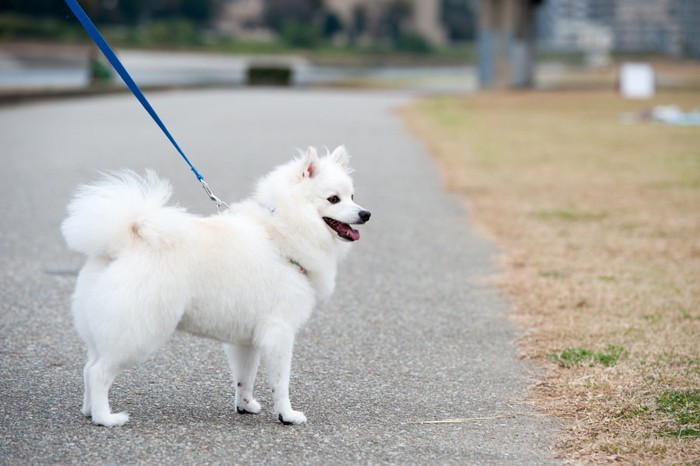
<point x="505" y="44"/>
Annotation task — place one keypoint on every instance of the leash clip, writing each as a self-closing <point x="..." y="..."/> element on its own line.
<point x="219" y="202"/>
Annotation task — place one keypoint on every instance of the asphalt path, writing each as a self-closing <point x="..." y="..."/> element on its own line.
<point x="413" y="334"/>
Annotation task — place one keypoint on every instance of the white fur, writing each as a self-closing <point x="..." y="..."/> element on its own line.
<point x="249" y="277"/>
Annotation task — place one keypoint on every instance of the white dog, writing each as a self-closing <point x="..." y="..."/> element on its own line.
<point x="249" y="277"/>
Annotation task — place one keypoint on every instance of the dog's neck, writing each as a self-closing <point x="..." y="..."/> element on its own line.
<point x="316" y="258"/>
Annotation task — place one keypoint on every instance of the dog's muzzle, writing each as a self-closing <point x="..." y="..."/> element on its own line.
<point x="344" y="230"/>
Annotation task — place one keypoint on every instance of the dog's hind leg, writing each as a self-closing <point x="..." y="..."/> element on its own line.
<point x="100" y="377"/>
<point x="244" y="360"/>
<point x="277" y="346"/>
<point x="87" y="406"/>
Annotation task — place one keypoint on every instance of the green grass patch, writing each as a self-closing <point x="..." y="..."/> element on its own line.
<point x="553" y="274"/>
<point x="684" y="408"/>
<point x="634" y="412"/>
<point x="571" y="357"/>
<point x="569" y="215"/>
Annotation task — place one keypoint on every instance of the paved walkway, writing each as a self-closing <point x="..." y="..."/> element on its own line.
<point x="413" y="334"/>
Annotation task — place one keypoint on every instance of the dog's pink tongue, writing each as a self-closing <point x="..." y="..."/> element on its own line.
<point x="353" y="234"/>
<point x="348" y="232"/>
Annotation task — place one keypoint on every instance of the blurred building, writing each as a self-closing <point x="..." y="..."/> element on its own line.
<point x="418" y="16"/>
<point x="638" y="26"/>
<point x="596" y="27"/>
<point x="364" y="20"/>
<point x="687" y="15"/>
<point x="425" y="20"/>
<point x="243" y="19"/>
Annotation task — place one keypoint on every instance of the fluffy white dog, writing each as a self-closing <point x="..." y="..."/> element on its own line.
<point x="249" y="277"/>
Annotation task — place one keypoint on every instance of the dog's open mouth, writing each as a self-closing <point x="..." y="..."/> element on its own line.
<point x="344" y="230"/>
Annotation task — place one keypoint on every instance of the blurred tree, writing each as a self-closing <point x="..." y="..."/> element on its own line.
<point x="301" y="35"/>
<point x="412" y="42"/>
<point x="332" y="25"/>
<point x="298" y="22"/>
<point x="277" y="12"/>
<point x="392" y="17"/>
<point x="173" y="31"/>
<point x="37" y="8"/>
<point x="198" y="11"/>
<point x="359" y="23"/>
<point x="459" y="20"/>
<point x="130" y="11"/>
<point x="127" y="12"/>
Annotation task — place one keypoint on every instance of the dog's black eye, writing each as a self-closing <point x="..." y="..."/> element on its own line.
<point x="334" y="199"/>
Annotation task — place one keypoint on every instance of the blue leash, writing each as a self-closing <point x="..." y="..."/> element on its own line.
<point x="134" y="88"/>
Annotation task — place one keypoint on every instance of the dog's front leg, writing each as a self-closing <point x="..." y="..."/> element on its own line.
<point x="244" y="360"/>
<point x="277" y="354"/>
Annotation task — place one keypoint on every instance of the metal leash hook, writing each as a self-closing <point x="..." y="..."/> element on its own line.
<point x="213" y="197"/>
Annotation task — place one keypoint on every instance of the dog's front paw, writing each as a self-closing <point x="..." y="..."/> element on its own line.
<point x="292" y="417"/>
<point x="248" y="407"/>
<point x="111" y="420"/>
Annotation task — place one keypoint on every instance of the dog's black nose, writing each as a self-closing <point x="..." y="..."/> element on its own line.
<point x="364" y="215"/>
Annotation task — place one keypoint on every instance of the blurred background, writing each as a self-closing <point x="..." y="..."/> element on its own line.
<point x="435" y="45"/>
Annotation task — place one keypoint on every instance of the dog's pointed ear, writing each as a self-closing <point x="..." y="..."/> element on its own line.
<point x="341" y="157"/>
<point x="310" y="163"/>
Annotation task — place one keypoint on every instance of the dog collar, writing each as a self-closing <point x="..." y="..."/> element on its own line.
<point x="301" y="267"/>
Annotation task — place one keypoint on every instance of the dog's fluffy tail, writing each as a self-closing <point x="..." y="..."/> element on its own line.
<point x="122" y="209"/>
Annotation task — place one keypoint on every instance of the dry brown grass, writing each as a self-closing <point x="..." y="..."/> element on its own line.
<point x="600" y="224"/>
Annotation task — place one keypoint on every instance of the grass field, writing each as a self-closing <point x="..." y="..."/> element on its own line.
<point x="599" y="222"/>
